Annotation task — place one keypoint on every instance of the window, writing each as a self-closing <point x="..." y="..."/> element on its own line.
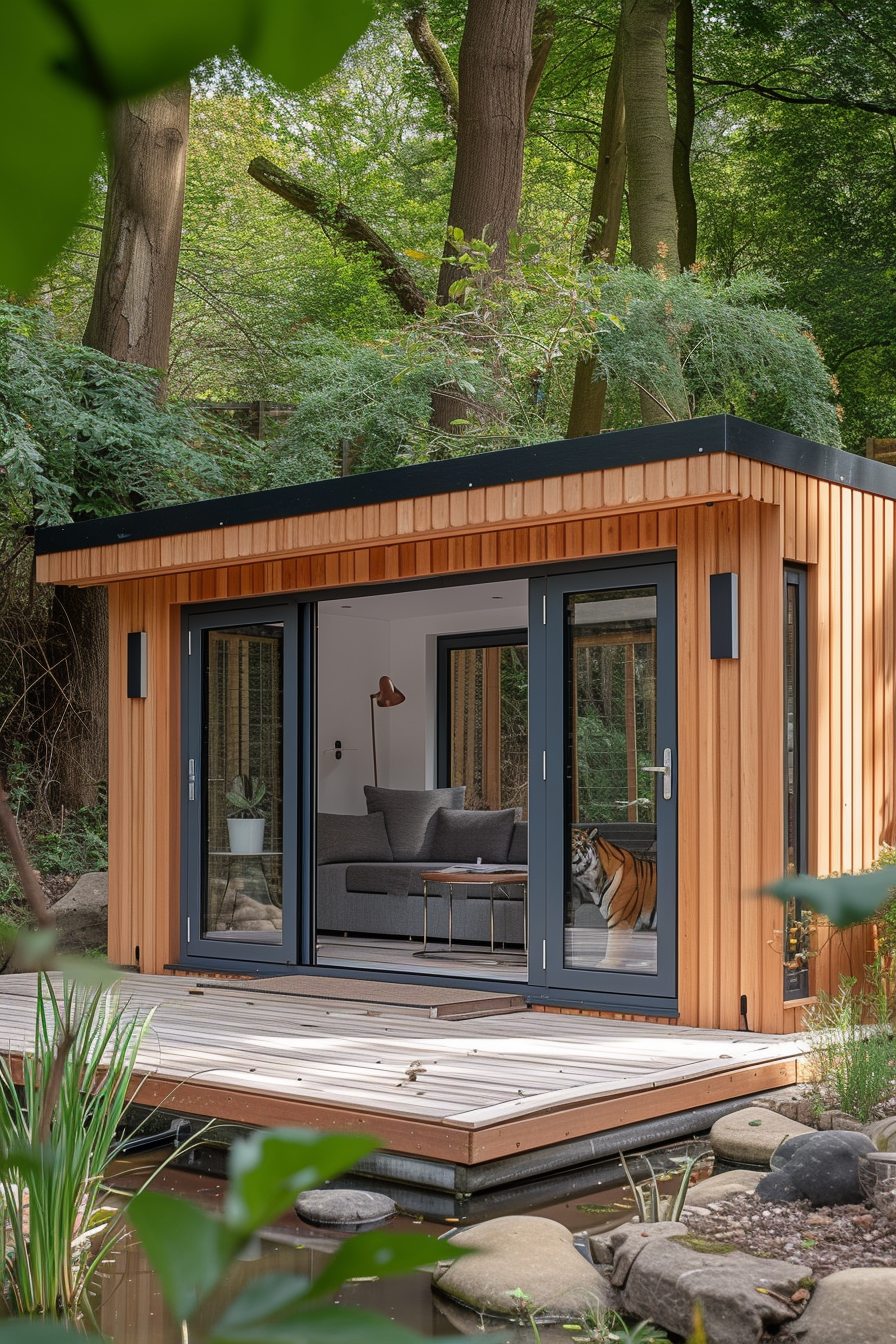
<point x="797" y="932"/>
<point x="483" y="725"/>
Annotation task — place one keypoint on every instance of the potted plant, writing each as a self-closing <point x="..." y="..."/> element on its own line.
<point x="245" y="822"/>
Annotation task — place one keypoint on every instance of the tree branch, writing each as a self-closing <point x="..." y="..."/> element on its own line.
<point x="431" y="53"/>
<point x="542" y="41"/>
<point x="394" y="275"/>
<point x="27" y="876"/>
<point x="801" y="99"/>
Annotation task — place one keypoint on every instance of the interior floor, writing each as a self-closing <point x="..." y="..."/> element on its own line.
<point x="406" y="956"/>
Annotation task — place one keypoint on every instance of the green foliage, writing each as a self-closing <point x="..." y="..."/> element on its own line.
<point x="885" y="916"/>
<point x="847" y="900"/>
<point x="852" y="1061"/>
<point x="245" y="796"/>
<point x="57" y="1135"/>
<point x="69" y="63"/>
<point x="191" y="1251"/>
<point x="83" y="436"/>
<point x="652" y="1205"/>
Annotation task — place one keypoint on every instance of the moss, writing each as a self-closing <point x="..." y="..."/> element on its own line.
<point x="704" y="1245"/>
<point x="807" y="1282"/>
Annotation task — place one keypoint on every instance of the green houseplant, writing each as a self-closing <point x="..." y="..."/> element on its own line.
<point x="246" y="815"/>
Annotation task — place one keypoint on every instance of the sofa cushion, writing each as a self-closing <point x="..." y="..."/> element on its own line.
<point x="352" y="839"/>
<point x="471" y="837"/>
<point x="410" y="816"/>
<point x="519" y="844"/>
<point x="386" y="879"/>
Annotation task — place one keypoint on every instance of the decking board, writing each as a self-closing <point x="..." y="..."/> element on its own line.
<point x="486" y="1087"/>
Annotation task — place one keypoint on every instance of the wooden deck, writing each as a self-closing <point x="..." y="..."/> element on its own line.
<point x="460" y="1092"/>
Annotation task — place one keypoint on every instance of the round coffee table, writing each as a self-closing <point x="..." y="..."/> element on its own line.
<point x="451" y="877"/>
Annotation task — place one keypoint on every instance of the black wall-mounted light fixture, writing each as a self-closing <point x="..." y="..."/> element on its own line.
<point x="137" y="665"/>
<point x="723" y="616"/>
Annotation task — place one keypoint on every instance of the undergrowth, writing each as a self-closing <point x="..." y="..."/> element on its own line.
<point x="853" y="1050"/>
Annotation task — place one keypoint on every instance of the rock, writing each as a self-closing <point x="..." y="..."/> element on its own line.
<point x="824" y="1169"/>
<point x="751" y="1136"/>
<point x="882" y="1134"/>
<point x="857" y="1306"/>
<point x="344" y="1208"/>
<point x="724" y="1186"/>
<point x="535" y="1255"/>
<point x="792" y="1102"/>
<point x="661" y="1271"/>
<point x="82" y="915"/>
<point x="785" y="1151"/>
<point x="838" y="1120"/>
<point x="777" y="1185"/>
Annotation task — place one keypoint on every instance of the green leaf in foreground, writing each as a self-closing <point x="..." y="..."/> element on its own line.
<point x="271" y="1167"/>
<point x="35" y="1332"/>
<point x="843" y="900"/>
<point x="188" y="1250"/>
<point x="328" y="1325"/>
<point x="383" y="1254"/>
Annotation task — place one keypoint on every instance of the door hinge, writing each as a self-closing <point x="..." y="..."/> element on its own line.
<point x="544" y="609"/>
<point x="189" y="642"/>
<point x="544" y="954"/>
<point x="544" y="765"/>
<point x="191" y="780"/>
<point x="188" y="928"/>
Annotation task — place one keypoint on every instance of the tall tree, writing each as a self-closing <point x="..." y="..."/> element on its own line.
<point x="493" y="69"/>
<point x="653" y="222"/>
<point x="685" y="108"/>
<point x="589" y="393"/>
<point x="133" y="297"/>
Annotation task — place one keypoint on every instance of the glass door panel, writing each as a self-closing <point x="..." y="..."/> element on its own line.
<point x="608" y="716"/>
<point x="243" y="784"/>
<point x="242" y="807"/>
<point x="610" y="918"/>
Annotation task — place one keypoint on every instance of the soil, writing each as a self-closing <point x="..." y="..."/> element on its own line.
<point x="850" y="1236"/>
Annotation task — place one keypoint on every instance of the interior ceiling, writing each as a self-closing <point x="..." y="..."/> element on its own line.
<point x="431" y="601"/>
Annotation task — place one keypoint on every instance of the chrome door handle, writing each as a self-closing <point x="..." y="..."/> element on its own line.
<point x="665" y="770"/>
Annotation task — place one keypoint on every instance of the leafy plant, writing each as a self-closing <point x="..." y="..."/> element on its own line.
<point x="57" y="1135"/>
<point x="246" y="795"/>
<point x="853" y="1062"/>
<point x="652" y="1206"/>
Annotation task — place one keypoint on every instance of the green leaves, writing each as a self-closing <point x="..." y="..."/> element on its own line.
<point x="271" y="1167"/>
<point x="68" y="63"/>
<point x="189" y="1250"/>
<point x="842" y="900"/>
<point x="381" y="1254"/>
<point x="320" y="1325"/>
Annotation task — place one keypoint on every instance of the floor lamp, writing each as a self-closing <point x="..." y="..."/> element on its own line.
<point x="386" y="697"/>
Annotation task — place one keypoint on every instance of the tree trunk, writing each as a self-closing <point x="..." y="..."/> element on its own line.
<point x="650" y="139"/>
<point x="493" y="67"/>
<point x="133" y="298"/>
<point x="586" y="411"/>
<point x="394" y="275"/>
<point x="542" y="40"/>
<point x="685" y="202"/>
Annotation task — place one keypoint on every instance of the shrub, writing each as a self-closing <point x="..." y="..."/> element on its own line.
<point x="852" y="1059"/>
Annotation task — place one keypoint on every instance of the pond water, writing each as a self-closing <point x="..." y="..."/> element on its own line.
<point x="130" y="1309"/>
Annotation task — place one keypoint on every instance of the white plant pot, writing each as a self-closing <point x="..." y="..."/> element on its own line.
<point x="246" y="834"/>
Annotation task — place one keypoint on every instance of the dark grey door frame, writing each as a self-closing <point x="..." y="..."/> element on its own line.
<point x="547" y="788"/>
<point x="296" y="795"/>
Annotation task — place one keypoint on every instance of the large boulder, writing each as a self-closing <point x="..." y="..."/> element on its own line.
<point x="820" y="1167"/>
<point x="662" y="1272"/>
<point x="724" y="1186"/>
<point x="534" y="1255"/>
<point x="749" y="1137"/>
<point x="853" y="1306"/>
<point x="82" y="915"/>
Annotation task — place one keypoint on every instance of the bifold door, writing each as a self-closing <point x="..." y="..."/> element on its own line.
<point x="242" y="784"/>
<point x="606" y="709"/>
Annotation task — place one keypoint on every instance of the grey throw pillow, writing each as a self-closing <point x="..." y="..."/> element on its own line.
<point x="346" y="839"/>
<point x="410" y="816"/>
<point x="465" y="837"/>
<point x="519" y="844"/>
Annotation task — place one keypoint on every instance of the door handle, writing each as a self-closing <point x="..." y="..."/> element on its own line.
<point x="665" y="770"/>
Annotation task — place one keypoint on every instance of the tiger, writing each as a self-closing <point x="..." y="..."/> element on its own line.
<point x="621" y="885"/>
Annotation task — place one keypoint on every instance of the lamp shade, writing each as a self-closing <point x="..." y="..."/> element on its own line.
<point x="388" y="694"/>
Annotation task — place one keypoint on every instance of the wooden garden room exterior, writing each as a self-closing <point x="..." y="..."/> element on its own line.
<point x="782" y="753"/>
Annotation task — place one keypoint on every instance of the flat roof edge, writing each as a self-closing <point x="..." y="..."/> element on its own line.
<point x="564" y="457"/>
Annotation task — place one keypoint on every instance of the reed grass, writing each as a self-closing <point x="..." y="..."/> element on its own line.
<point x="57" y="1136"/>
<point x="852" y="1055"/>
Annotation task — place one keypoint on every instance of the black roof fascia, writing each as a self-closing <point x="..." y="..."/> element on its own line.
<point x="565" y="457"/>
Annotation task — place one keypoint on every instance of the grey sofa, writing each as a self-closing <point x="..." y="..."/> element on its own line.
<point x="369" y="867"/>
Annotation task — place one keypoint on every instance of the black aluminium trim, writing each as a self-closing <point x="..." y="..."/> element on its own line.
<point x="621" y="448"/>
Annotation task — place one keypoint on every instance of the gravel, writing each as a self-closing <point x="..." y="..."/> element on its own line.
<point x="850" y="1236"/>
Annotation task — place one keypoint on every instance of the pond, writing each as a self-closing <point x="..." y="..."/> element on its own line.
<point x="130" y="1309"/>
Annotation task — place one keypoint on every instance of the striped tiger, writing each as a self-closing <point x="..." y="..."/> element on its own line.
<point x="621" y="885"/>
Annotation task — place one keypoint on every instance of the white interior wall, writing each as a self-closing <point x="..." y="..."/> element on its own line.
<point x="363" y="639"/>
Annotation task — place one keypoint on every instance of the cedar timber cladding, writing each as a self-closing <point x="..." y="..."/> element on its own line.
<point x="719" y="512"/>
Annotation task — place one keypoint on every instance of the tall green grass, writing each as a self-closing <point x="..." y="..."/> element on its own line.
<point x="852" y="1055"/>
<point x="57" y="1135"/>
